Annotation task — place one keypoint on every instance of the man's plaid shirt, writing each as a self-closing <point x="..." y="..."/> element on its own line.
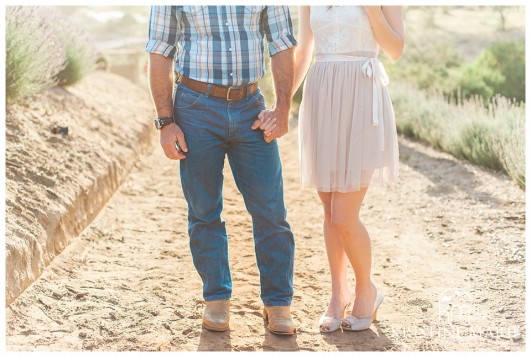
<point x="223" y="45"/>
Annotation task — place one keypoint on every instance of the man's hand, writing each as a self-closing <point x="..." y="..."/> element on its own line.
<point x="170" y="135"/>
<point x="273" y="122"/>
<point x="282" y="69"/>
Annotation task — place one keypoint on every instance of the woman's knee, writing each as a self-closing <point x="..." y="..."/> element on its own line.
<point x="327" y="214"/>
<point x="345" y="225"/>
<point x="326" y="200"/>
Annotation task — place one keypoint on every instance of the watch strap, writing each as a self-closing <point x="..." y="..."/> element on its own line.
<point x="163" y="121"/>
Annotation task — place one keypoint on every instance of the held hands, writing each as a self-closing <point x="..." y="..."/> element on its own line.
<point x="273" y="122"/>
<point x="172" y="142"/>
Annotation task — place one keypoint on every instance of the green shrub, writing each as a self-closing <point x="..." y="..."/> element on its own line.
<point x="430" y="63"/>
<point x="427" y="63"/>
<point x="500" y="69"/>
<point x="33" y="52"/>
<point x="81" y="54"/>
<point x="79" y="62"/>
<point x="477" y="80"/>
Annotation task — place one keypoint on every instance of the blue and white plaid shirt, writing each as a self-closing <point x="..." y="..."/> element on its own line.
<point x="223" y="45"/>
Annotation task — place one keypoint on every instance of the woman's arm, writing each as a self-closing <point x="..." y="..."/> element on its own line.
<point x="388" y="28"/>
<point x="304" y="49"/>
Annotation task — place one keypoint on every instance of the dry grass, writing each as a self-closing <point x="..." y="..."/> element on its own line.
<point x="34" y="54"/>
<point x="492" y="136"/>
<point x="42" y="50"/>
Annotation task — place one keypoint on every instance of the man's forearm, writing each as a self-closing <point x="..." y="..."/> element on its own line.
<point x="161" y="84"/>
<point x="282" y="68"/>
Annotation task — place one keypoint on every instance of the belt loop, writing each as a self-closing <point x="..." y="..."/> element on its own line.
<point x="247" y="90"/>
<point x="207" y="94"/>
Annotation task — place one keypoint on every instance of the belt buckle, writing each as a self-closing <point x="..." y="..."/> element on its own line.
<point x="228" y="95"/>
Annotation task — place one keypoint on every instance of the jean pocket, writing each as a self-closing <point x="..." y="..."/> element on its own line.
<point x="258" y="98"/>
<point x="186" y="98"/>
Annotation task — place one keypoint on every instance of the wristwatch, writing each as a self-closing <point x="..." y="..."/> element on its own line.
<point x="162" y="122"/>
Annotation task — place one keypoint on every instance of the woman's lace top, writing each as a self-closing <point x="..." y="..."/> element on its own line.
<point x="342" y="30"/>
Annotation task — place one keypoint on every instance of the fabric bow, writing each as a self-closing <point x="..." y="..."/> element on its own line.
<point x="372" y="68"/>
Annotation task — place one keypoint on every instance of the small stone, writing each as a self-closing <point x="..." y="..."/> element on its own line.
<point x="187" y="331"/>
<point x="82" y="334"/>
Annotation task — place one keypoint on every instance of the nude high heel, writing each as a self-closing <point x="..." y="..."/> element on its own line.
<point x="330" y="324"/>
<point x="353" y="323"/>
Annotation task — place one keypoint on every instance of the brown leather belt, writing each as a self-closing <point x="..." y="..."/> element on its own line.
<point x="230" y="94"/>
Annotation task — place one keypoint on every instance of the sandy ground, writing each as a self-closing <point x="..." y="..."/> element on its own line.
<point x="448" y="245"/>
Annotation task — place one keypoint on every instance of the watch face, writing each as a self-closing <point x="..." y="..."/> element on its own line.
<point x="161" y="122"/>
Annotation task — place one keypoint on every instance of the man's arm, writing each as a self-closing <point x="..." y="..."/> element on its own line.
<point x="161" y="87"/>
<point x="282" y="69"/>
<point x="278" y="29"/>
<point x="161" y="47"/>
<point x="161" y="84"/>
<point x="275" y="122"/>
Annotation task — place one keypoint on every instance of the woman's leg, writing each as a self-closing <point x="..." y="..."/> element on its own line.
<point x="346" y="224"/>
<point x="337" y="260"/>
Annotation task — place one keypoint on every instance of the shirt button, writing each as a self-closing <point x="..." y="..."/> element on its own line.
<point x="231" y="74"/>
<point x="230" y="49"/>
<point x="226" y="24"/>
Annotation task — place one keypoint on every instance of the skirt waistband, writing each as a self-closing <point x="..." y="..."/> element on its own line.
<point x="332" y="57"/>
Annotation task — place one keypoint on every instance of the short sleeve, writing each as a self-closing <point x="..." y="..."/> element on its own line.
<point x="278" y="28"/>
<point x="163" y="31"/>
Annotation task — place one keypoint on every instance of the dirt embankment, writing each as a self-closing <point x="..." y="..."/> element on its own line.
<point x="58" y="182"/>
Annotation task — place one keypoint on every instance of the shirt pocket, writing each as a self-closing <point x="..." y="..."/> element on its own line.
<point x="252" y="16"/>
<point x="193" y="17"/>
<point x="192" y="10"/>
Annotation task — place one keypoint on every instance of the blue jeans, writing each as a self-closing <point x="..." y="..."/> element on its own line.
<point x="214" y="128"/>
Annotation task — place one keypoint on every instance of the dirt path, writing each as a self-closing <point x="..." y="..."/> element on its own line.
<point x="448" y="244"/>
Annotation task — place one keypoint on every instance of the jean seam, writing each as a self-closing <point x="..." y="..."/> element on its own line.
<point x="218" y="297"/>
<point x="277" y="304"/>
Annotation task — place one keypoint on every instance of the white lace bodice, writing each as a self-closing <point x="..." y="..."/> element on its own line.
<point x="342" y="30"/>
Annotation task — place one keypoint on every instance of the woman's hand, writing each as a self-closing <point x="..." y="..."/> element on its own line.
<point x="372" y="10"/>
<point x="267" y="123"/>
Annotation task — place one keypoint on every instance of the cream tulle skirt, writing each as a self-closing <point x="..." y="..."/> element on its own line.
<point x="347" y="131"/>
